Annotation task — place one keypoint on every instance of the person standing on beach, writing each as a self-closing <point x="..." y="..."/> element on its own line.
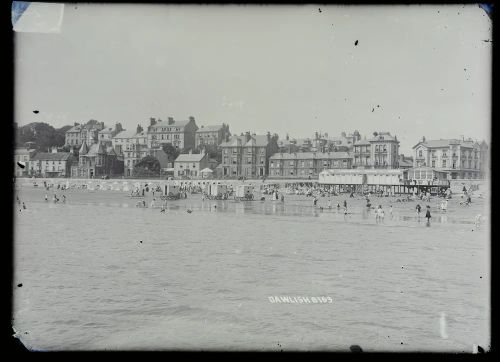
<point x="345" y="204"/>
<point x="329" y="203"/>
<point x="390" y="211"/>
<point x="418" y="208"/>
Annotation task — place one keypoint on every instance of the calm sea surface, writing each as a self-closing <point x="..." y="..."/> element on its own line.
<point x="203" y="280"/>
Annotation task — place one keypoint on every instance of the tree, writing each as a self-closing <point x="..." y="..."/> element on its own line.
<point x="170" y="150"/>
<point x="139" y="128"/>
<point x="42" y="135"/>
<point x="148" y="166"/>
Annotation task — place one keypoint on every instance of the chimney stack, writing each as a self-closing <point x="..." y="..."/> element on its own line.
<point x="423" y="139"/>
<point x="170" y="120"/>
<point x="191" y="119"/>
<point x="152" y="121"/>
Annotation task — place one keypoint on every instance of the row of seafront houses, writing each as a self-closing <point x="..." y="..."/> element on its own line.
<point x="114" y="152"/>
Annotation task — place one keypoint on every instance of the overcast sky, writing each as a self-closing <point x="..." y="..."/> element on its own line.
<point x="423" y="70"/>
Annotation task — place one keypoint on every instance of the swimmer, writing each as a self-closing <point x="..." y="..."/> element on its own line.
<point x="46" y="198"/>
<point x="24" y="206"/>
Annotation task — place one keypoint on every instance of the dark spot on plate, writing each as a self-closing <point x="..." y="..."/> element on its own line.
<point x="356" y="42"/>
<point x="319" y="9"/>
<point x="20" y="285"/>
<point x="36" y="112"/>
<point x="355" y="348"/>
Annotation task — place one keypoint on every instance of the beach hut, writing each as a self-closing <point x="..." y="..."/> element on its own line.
<point x="125" y="186"/>
<point x="217" y="191"/>
<point x="171" y="192"/>
<point x="244" y="192"/>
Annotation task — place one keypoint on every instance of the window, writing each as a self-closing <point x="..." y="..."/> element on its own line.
<point x="433" y="163"/>
<point x="419" y="153"/>
<point x="444" y="163"/>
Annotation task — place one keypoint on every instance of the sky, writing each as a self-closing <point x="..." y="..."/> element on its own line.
<point x="416" y="70"/>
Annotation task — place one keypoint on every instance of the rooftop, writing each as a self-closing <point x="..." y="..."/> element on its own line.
<point x="210" y="128"/>
<point x="46" y="156"/>
<point x="187" y="157"/>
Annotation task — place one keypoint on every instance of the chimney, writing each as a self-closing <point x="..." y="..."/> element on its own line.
<point x="203" y="151"/>
<point x="191" y="119"/>
<point x="268" y="136"/>
<point x="102" y="124"/>
<point x="423" y="139"/>
<point x="190" y="151"/>
<point x="170" y="120"/>
<point x="247" y="136"/>
<point x="202" y="126"/>
<point x="152" y="121"/>
<point x="76" y="124"/>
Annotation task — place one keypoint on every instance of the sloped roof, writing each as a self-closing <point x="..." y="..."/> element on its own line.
<point x="77" y="128"/>
<point x="362" y="143"/>
<point x="383" y="136"/>
<point x="257" y="141"/>
<point x="23" y="151"/>
<point x="126" y="134"/>
<point x="234" y="141"/>
<point x="84" y="149"/>
<point x="438" y="143"/>
<point x="46" y="156"/>
<point x="310" y="155"/>
<point x="209" y="128"/>
<point x="186" y="157"/>
<point x="107" y="130"/>
<point x="162" y="123"/>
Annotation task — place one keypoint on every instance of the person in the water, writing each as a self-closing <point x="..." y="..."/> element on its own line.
<point x="428" y="214"/>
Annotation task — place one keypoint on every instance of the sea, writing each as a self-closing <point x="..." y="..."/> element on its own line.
<point x="100" y="273"/>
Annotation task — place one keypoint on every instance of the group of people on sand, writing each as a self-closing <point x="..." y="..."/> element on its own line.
<point x="55" y="198"/>
<point x="18" y="200"/>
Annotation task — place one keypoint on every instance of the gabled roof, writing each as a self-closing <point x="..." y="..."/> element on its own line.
<point x="46" y="156"/>
<point x="84" y="149"/>
<point x="186" y="157"/>
<point x="110" y="151"/>
<point x="96" y="149"/>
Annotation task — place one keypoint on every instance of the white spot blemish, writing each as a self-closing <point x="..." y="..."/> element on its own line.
<point x="442" y="324"/>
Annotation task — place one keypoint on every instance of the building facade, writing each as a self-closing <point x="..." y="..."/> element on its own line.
<point x="380" y="151"/>
<point x="190" y="164"/>
<point x="180" y="134"/>
<point x="88" y="132"/>
<point x="248" y="155"/>
<point x="53" y="164"/>
<point x="461" y="159"/>
<point x="307" y="164"/>
<point x="133" y="147"/>
<point x="97" y="160"/>
<point x="211" y="136"/>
